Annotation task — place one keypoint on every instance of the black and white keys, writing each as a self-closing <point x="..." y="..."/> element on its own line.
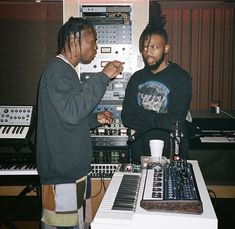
<point x="24" y="169"/>
<point x="13" y="132"/>
<point x="15" y="121"/>
<point x="127" y="193"/>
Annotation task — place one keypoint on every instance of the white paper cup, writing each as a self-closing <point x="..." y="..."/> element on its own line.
<point x="156" y="148"/>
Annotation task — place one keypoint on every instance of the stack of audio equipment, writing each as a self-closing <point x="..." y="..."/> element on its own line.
<point x="117" y="39"/>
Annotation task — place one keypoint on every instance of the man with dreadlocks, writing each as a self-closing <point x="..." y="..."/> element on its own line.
<point x="156" y="96"/>
<point x="65" y="117"/>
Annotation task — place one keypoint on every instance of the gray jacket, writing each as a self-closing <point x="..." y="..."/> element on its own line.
<point x="65" y="117"/>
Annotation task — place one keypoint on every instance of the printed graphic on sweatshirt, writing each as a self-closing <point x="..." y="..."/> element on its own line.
<point x="152" y="95"/>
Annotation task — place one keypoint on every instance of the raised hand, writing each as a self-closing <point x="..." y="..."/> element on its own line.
<point x="113" y="68"/>
<point x="105" y="117"/>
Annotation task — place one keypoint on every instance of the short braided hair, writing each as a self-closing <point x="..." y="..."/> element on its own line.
<point x="72" y="27"/>
<point x="153" y="27"/>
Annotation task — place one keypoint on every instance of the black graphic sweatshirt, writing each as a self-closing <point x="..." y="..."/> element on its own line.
<point x="152" y="105"/>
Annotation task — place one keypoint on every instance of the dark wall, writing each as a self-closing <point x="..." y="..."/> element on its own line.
<point x="28" y="40"/>
<point x="201" y="35"/>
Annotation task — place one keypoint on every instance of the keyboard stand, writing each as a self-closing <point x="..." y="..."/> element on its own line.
<point x="31" y="187"/>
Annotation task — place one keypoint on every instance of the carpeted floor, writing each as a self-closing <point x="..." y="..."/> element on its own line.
<point x="25" y="216"/>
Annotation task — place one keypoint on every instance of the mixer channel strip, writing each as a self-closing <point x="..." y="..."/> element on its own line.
<point x="127" y="193"/>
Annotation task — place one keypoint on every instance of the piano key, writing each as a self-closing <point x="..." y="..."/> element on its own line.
<point x="122" y="208"/>
<point x="4" y="129"/>
<point x="125" y="197"/>
<point x="18" y="129"/>
<point x="8" y="129"/>
<point x="122" y="205"/>
<point x="14" y="130"/>
<point x="124" y="202"/>
<point x="21" y="129"/>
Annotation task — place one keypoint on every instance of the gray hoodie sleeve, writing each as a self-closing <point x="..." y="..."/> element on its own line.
<point x="73" y="100"/>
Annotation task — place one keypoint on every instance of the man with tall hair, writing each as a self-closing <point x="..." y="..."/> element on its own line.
<point x="156" y="96"/>
<point x="65" y="117"/>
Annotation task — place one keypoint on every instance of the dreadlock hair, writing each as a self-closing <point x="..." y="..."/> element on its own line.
<point x="72" y="27"/>
<point x="153" y="27"/>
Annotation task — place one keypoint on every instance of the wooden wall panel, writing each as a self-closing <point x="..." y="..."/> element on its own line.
<point x="186" y="40"/>
<point x="217" y="54"/>
<point x="228" y="55"/>
<point x="195" y="64"/>
<point x="202" y="38"/>
<point x="27" y="42"/>
<point x="205" y="59"/>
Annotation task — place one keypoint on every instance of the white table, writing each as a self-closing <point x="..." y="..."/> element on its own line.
<point x="106" y="218"/>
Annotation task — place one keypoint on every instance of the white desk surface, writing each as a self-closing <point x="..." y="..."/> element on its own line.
<point x="143" y="219"/>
